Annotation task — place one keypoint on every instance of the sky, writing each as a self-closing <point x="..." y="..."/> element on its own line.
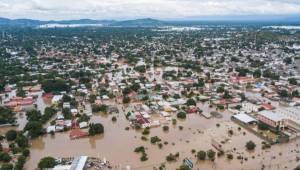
<point x="131" y="9"/>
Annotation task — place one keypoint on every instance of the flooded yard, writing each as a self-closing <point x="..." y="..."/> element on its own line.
<point x="118" y="144"/>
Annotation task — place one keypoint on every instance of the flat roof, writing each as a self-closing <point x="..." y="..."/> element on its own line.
<point x="244" y="118"/>
<point x="271" y="115"/>
<point x="79" y="163"/>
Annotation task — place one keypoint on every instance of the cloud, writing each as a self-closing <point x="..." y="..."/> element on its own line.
<point x="125" y="9"/>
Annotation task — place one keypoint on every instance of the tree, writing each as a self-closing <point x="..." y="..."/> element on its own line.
<point x="135" y="87"/>
<point x="22" y="141"/>
<point x="95" y="129"/>
<point x="181" y="115"/>
<point x="126" y="99"/>
<point x="67" y="113"/>
<point x="211" y="154"/>
<point x="227" y="95"/>
<point x="288" y="60"/>
<point x="4" y="157"/>
<point x="250" y="145"/>
<point x="11" y="135"/>
<point x="184" y="167"/>
<point x="157" y="87"/>
<point x="201" y="155"/>
<point x="229" y="156"/>
<point x="46" y="162"/>
<point x="220" y="89"/>
<point x="242" y="71"/>
<point x="20" y="163"/>
<point x="55" y="86"/>
<point x="284" y="93"/>
<point x="33" y="115"/>
<point x="34" y="128"/>
<point x="257" y="73"/>
<point x="7" y="166"/>
<point x="293" y="81"/>
<point x="191" y="102"/>
<point x="6" y="116"/>
<point x="21" y="92"/>
<point x="295" y="93"/>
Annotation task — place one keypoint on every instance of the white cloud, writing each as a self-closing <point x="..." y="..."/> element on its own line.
<point x="123" y="9"/>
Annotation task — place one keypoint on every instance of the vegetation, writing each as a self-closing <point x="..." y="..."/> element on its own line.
<point x="6" y="116"/>
<point x="46" y="162"/>
<point x="201" y="155"/>
<point x="211" y="154"/>
<point x="95" y="129"/>
<point x="172" y="157"/>
<point x="250" y="145"/>
<point x="181" y="115"/>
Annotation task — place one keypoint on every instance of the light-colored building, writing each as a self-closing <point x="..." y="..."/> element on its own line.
<point x="249" y="107"/>
<point x="270" y="118"/>
<point x="291" y="116"/>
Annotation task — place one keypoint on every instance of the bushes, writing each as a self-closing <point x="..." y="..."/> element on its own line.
<point x="201" y="155"/>
<point x="11" y="135"/>
<point x="55" y="86"/>
<point x="191" y="102"/>
<point x="4" y="157"/>
<point x="172" y="157"/>
<point x="250" y="145"/>
<point x="146" y="131"/>
<point x="141" y="149"/>
<point x="34" y="128"/>
<point x="262" y="126"/>
<point x="165" y="128"/>
<point x="211" y="154"/>
<point x="99" y="108"/>
<point x="229" y="156"/>
<point x="114" y="119"/>
<point x="46" y="162"/>
<point x="126" y="99"/>
<point x="22" y="141"/>
<point x="181" y="115"/>
<point x="155" y="140"/>
<point x="6" y="116"/>
<point x="20" y="164"/>
<point x="95" y="129"/>
<point x="7" y="166"/>
<point x="48" y="113"/>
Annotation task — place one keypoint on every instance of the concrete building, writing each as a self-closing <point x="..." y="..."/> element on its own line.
<point x="291" y="117"/>
<point x="249" y="107"/>
<point x="270" y="118"/>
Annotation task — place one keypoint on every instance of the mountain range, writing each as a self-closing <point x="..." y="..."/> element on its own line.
<point x="149" y="22"/>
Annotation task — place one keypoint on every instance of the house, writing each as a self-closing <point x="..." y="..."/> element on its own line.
<point x="267" y="106"/>
<point x="291" y="117"/>
<point x="56" y="99"/>
<point x="244" y="118"/>
<point x="249" y="107"/>
<point x="50" y="129"/>
<point x="83" y="125"/>
<point x="67" y="105"/>
<point x="164" y="114"/>
<point x="270" y="118"/>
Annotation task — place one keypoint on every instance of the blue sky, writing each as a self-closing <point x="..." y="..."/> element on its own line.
<point x="130" y="9"/>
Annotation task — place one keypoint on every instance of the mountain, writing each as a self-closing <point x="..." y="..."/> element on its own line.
<point x="149" y="22"/>
<point x="145" y="22"/>
<point x="20" y="22"/>
<point x="34" y="23"/>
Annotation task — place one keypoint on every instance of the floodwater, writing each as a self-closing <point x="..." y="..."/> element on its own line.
<point x="117" y="145"/>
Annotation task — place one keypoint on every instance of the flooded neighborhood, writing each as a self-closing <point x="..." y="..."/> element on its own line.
<point x="161" y="96"/>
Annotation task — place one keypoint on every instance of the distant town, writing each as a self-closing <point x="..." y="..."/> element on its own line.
<point x="156" y="97"/>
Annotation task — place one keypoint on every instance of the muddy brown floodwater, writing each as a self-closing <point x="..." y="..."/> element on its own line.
<point x="117" y="145"/>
